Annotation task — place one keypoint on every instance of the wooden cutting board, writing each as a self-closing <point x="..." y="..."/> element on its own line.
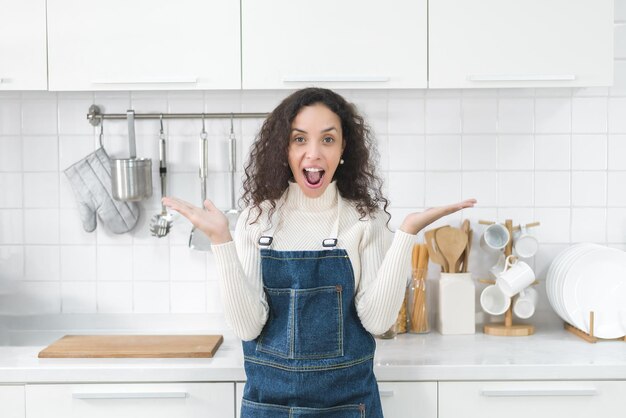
<point x="133" y="346"/>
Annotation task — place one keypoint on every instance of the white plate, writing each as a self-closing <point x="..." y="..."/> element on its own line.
<point x="596" y="282"/>
<point x="557" y="269"/>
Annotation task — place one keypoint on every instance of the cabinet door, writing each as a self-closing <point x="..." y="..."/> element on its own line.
<point x="512" y="43"/>
<point x="12" y="401"/>
<point x="409" y="399"/>
<point x="238" y="396"/>
<point x="154" y="400"/>
<point x="541" y="399"/>
<point x="289" y="44"/>
<point x="144" y="45"/>
<point x="23" y="45"/>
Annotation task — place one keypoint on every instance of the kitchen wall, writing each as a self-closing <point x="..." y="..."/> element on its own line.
<point x="557" y="156"/>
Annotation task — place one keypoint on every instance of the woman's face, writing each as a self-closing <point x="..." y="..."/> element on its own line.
<point x="315" y="148"/>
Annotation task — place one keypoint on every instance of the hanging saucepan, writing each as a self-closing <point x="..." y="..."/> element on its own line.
<point x="131" y="177"/>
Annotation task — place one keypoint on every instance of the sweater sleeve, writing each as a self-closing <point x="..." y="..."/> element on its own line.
<point x="385" y="270"/>
<point x="241" y="285"/>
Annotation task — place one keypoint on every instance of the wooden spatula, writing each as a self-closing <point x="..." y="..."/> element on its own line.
<point x="433" y="251"/>
<point x="451" y="243"/>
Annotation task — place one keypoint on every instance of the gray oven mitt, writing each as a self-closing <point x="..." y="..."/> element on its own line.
<point x="91" y="181"/>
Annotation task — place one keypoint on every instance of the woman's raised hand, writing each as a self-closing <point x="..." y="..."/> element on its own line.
<point x="211" y="221"/>
<point x="416" y="221"/>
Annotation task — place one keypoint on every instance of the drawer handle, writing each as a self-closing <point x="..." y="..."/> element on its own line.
<point x="538" y="392"/>
<point x="128" y="395"/>
<point x="521" y="77"/>
<point x="386" y="393"/>
<point x="332" y="78"/>
<point x="156" y="80"/>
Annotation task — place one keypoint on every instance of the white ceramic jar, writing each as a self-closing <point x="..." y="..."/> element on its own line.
<point x="456" y="303"/>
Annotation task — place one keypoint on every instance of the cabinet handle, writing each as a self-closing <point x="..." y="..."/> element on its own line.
<point x="521" y="77"/>
<point x="156" y="80"/>
<point x="386" y="393"/>
<point x="128" y="395"/>
<point x="538" y="392"/>
<point x="337" y="78"/>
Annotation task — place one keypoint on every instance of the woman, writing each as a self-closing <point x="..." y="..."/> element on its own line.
<point x="311" y="273"/>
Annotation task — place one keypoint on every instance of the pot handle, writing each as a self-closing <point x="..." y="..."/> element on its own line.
<point x="130" y="116"/>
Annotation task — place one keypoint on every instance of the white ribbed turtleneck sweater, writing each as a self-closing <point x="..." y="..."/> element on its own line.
<point x="381" y="262"/>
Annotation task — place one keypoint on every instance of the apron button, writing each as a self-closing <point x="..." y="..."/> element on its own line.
<point x="361" y="407"/>
<point x="338" y="287"/>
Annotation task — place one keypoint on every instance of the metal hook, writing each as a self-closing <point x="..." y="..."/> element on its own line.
<point x="101" y="133"/>
<point x="203" y="129"/>
<point x="161" y="121"/>
<point x="232" y="116"/>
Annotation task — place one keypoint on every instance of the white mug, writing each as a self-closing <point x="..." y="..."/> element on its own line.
<point x="493" y="301"/>
<point x="516" y="276"/>
<point x="525" y="245"/>
<point x="495" y="237"/>
<point x="525" y="303"/>
<point x="497" y="268"/>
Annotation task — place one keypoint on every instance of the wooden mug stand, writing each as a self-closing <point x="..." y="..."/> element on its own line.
<point x="508" y="329"/>
<point x="590" y="337"/>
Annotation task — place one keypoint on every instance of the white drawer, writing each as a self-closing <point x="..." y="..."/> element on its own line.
<point x="12" y="401"/>
<point x="408" y="399"/>
<point x="540" y="399"/>
<point x="130" y="400"/>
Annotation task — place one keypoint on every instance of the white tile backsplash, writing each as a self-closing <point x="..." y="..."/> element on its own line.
<point x="589" y="152"/>
<point x="553" y="152"/>
<point x="515" y="152"/>
<point x="516" y="116"/>
<point x="479" y="115"/>
<point x="40" y="153"/>
<point x="78" y="262"/>
<point x="555" y="155"/>
<point x="617" y="115"/>
<point x="443" y="152"/>
<point x="589" y="115"/>
<point x="479" y="152"/>
<point x="553" y="115"/>
<point x="443" y="116"/>
<point x="589" y="188"/>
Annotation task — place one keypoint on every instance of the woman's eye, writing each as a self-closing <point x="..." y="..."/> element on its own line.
<point x="298" y="139"/>
<point x="329" y="139"/>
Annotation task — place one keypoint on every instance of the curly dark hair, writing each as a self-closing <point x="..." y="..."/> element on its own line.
<point x="267" y="173"/>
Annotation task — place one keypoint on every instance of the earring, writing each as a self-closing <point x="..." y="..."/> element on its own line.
<point x="341" y="161"/>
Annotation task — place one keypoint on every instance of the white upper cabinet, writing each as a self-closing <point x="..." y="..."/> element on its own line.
<point x="144" y="45"/>
<point x="23" y="45"/>
<point x="289" y="44"/>
<point x="515" y="43"/>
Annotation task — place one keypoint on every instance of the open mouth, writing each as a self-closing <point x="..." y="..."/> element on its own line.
<point x="313" y="176"/>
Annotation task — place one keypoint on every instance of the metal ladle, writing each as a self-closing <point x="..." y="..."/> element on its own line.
<point x="232" y="214"/>
<point x="197" y="239"/>
<point x="161" y="223"/>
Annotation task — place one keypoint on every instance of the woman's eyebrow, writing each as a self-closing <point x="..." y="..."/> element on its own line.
<point x="332" y="128"/>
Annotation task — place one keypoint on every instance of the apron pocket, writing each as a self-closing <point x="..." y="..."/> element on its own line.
<point x="343" y="411"/>
<point x="303" y="323"/>
<point x="319" y="323"/>
<point x="251" y="409"/>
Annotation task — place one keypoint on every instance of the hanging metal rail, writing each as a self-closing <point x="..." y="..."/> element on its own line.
<point x="95" y="116"/>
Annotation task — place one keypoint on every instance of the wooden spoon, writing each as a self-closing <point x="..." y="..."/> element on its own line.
<point x="451" y="243"/>
<point x="465" y="227"/>
<point x="433" y="251"/>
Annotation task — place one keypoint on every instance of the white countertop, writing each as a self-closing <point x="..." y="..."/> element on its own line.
<point x="550" y="354"/>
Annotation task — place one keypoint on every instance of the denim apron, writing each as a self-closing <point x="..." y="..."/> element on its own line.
<point x="313" y="357"/>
